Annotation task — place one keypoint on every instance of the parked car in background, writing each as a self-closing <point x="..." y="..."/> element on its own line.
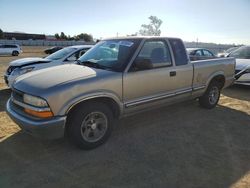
<point x="10" y="49"/>
<point x="52" y="49"/>
<point x="25" y="65"/>
<point x="227" y="52"/>
<point x="199" y="54"/>
<point x="118" y="77"/>
<point x="242" y="69"/>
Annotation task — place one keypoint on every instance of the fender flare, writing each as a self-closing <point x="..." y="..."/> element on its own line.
<point x="85" y="97"/>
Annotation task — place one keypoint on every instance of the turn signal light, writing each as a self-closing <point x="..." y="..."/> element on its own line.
<point x="44" y="114"/>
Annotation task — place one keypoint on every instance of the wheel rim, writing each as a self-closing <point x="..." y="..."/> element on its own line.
<point x="213" y="95"/>
<point x="94" y="126"/>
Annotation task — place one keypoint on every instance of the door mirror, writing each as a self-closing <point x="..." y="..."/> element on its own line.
<point x="143" y="64"/>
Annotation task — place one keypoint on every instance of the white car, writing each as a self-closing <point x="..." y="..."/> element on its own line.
<point x="25" y="65"/>
<point x="227" y="52"/>
<point x="12" y="49"/>
<point x="242" y="69"/>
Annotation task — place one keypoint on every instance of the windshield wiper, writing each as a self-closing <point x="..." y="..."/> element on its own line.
<point x="92" y="64"/>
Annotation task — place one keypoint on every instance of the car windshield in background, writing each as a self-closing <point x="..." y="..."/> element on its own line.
<point x="110" y="54"/>
<point x="241" y="53"/>
<point x="60" y="54"/>
<point x="231" y="49"/>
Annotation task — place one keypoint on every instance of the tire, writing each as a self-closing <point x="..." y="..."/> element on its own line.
<point x="83" y="129"/>
<point x="15" y="53"/>
<point x="211" y="97"/>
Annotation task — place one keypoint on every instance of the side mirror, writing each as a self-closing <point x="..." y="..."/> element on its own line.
<point x="143" y="64"/>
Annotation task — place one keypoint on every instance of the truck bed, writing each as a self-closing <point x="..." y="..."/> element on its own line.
<point x="205" y="70"/>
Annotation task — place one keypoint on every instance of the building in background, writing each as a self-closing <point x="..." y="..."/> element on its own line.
<point x="23" y="36"/>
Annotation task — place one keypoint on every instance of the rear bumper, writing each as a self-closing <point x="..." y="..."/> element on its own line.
<point x="47" y="128"/>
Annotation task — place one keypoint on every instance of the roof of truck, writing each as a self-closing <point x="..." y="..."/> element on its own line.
<point x="141" y="37"/>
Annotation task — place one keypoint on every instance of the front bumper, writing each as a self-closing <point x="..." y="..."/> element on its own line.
<point x="47" y="128"/>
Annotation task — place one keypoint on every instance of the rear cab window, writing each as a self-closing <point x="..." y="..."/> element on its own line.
<point x="179" y="51"/>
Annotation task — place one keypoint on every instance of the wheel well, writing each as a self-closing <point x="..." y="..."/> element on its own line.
<point x="220" y="79"/>
<point x="105" y="100"/>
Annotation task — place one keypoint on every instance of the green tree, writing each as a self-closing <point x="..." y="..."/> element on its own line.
<point x="63" y="36"/>
<point x="153" y="28"/>
<point x="57" y="36"/>
<point x="84" y="36"/>
<point x="1" y="34"/>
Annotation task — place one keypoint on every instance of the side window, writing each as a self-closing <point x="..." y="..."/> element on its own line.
<point x="157" y="52"/>
<point x="179" y="51"/>
<point x="73" y="57"/>
<point x="207" y="53"/>
<point x="198" y="53"/>
<point x="82" y="52"/>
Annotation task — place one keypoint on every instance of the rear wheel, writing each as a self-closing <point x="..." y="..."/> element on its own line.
<point x="211" y="97"/>
<point x="15" y="53"/>
<point x="90" y="125"/>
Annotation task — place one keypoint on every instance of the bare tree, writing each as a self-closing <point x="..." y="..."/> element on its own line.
<point x="153" y="28"/>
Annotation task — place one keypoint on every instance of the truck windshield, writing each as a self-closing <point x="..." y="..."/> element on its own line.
<point x="60" y="54"/>
<point x="241" y="53"/>
<point x="110" y="54"/>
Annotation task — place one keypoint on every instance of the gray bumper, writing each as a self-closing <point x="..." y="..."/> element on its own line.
<point x="48" y="128"/>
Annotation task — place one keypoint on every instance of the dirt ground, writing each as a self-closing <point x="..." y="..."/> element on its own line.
<point x="177" y="146"/>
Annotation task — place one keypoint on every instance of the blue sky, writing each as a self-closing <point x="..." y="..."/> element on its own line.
<point x="220" y="21"/>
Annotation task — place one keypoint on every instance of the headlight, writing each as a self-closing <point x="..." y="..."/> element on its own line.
<point x="22" y="71"/>
<point x="25" y="70"/>
<point x="34" y="101"/>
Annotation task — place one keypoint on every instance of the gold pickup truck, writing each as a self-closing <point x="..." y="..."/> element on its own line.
<point x="116" y="78"/>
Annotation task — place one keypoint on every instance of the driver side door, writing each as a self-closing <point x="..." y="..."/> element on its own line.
<point x="142" y="88"/>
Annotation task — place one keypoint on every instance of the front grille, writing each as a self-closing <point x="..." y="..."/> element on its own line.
<point x="10" y="69"/>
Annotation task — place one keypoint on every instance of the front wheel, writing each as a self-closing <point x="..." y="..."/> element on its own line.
<point x="90" y="125"/>
<point x="15" y="53"/>
<point x="211" y="97"/>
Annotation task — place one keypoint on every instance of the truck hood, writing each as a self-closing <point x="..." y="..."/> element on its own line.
<point x="49" y="77"/>
<point x="242" y="64"/>
<point x="43" y="81"/>
<point x="28" y="61"/>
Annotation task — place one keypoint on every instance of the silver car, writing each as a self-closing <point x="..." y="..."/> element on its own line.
<point x="25" y="65"/>
<point x="10" y="49"/>
<point x="242" y="69"/>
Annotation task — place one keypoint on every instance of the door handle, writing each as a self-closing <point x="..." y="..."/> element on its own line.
<point x="172" y="73"/>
